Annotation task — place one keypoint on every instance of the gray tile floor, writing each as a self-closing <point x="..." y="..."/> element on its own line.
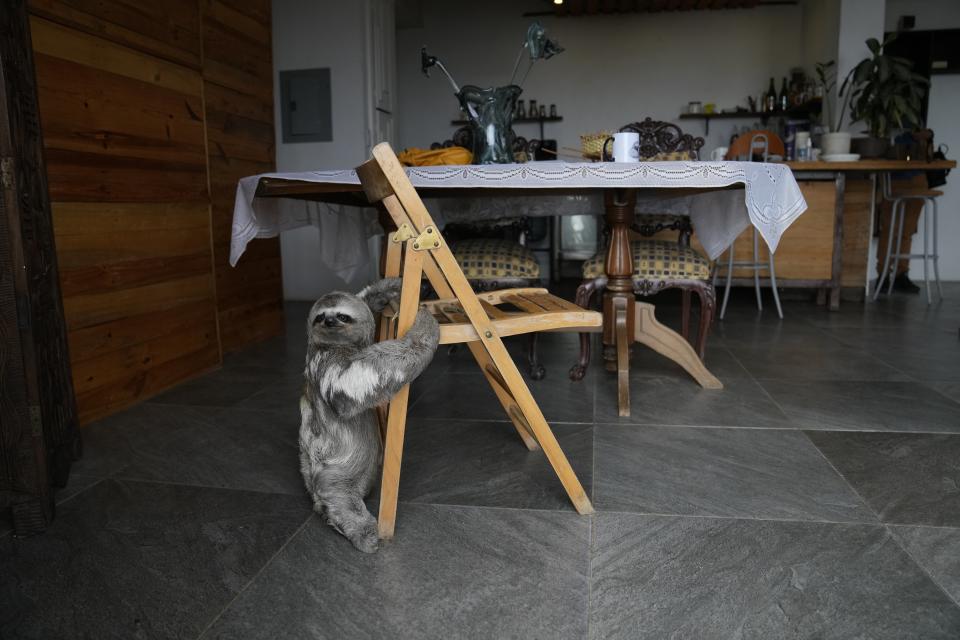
<point x="817" y="496"/>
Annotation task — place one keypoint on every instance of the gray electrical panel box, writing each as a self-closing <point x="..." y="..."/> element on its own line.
<point x="305" y="105"/>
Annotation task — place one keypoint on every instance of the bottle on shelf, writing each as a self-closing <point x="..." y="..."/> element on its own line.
<point x="521" y="112"/>
<point x="770" y="99"/>
<point x="783" y="100"/>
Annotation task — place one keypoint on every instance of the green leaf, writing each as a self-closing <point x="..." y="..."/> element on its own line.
<point x="873" y="45"/>
<point x="883" y="66"/>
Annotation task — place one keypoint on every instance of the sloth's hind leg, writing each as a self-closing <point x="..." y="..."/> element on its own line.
<point x="347" y="513"/>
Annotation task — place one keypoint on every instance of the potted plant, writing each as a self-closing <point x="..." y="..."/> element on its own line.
<point x="834" y="141"/>
<point x="885" y="93"/>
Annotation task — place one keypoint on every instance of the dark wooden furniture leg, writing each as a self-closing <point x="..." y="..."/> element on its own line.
<point x="618" y="266"/>
<point x="584" y="296"/>
<point x="836" y="271"/>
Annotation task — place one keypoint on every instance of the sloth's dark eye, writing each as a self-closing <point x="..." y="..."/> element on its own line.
<point x="318" y="319"/>
<point x="344" y="318"/>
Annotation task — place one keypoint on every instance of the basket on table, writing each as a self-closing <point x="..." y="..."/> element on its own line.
<point x="591" y="144"/>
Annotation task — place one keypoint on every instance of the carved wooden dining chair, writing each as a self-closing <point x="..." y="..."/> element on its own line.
<point x="417" y="248"/>
<point x="657" y="264"/>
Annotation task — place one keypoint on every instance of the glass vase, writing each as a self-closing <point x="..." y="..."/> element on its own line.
<point x="490" y="112"/>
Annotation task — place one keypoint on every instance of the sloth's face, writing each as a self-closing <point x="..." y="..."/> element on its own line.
<point x="340" y="318"/>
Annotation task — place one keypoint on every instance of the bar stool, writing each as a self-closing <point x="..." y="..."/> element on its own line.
<point x="759" y="141"/>
<point x="928" y="215"/>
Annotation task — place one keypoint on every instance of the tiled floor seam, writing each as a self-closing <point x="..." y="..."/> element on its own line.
<point x="122" y="478"/>
<point x="817" y="449"/>
<point x="842" y="477"/>
<point x="851" y="523"/>
<point x="920" y="566"/>
<point x="590" y="574"/>
<point x="253" y="579"/>
<point x="937" y="391"/>
<point x="82" y="491"/>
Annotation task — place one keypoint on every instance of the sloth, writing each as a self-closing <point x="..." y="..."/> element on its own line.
<point x="346" y="376"/>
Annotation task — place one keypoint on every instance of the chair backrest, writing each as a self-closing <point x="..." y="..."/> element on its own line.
<point x="385" y="181"/>
<point x="664" y="140"/>
<point x="761" y="142"/>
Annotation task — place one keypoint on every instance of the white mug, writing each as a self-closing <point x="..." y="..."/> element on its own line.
<point x="719" y="154"/>
<point x="626" y="146"/>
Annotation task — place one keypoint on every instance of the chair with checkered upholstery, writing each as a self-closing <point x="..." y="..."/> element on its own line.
<point x="493" y="254"/>
<point x="657" y="264"/>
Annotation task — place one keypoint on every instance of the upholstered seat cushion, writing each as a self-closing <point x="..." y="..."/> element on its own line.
<point x="656" y="259"/>
<point x="487" y="259"/>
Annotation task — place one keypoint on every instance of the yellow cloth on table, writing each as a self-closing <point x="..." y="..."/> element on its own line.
<point x="414" y="157"/>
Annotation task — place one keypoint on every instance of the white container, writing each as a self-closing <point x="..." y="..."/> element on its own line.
<point x="835" y="143"/>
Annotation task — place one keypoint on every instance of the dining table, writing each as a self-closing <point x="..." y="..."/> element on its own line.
<point x="721" y="198"/>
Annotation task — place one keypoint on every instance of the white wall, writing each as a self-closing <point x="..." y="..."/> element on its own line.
<point x="859" y="21"/>
<point x="309" y="34"/>
<point x="821" y="31"/>
<point x="616" y="68"/>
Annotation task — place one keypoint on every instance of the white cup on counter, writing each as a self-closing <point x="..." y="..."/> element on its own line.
<point x="718" y="154"/>
<point x="626" y="146"/>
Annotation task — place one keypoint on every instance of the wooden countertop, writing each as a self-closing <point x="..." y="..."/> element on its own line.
<point x="872" y="165"/>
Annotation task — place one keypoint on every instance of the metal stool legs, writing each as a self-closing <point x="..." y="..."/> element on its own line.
<point x="756" y="266"/>
<point x="936" y="252"/>
<point x="898" y="213"/>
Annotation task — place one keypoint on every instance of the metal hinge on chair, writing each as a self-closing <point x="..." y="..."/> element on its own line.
<point x="403" y="233"/>
<point x="429" y="239"/>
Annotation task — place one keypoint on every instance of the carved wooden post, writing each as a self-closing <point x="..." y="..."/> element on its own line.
<point x="619" y="205"/>
<point x="38" y="416"/>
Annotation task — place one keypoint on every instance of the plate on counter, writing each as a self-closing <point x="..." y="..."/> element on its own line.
<point x="841" y="157"/>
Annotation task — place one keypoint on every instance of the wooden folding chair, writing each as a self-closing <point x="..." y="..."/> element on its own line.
<point x="417" y="248"/>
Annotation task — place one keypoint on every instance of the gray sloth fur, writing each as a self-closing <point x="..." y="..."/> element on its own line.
<point x="346" y="376"/>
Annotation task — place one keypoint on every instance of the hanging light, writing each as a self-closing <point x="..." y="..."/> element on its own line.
<point x="557" y="1"/>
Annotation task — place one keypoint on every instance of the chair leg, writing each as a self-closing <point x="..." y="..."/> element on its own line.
<point x="535" y="370"/>
<point x="882" y="276"/>
<point x="925" y="213"/>
<point x="623" y="356"/>
<point x="708" y="306"/>
<point x="773" y="287"/>
<point x="901" y="215"/>
<point x="726" y="290"/>
<point x="585" y="293"/>
<point x="756" y="270"/>
<point x="532" y="418"/>
<point x="685" y="313"/>
<point x="392" y="454"/>
<point x="934" y="251"/>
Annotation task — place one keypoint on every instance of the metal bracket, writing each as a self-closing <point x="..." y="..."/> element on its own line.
<point x="403" y="233"/>
<point x="429" y="239"/>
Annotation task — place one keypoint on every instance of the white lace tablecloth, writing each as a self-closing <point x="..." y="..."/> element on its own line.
<point x="771" y="200"/>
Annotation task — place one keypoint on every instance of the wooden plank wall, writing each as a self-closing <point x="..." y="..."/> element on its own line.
<point x="127" y="128"/>
<point x="237" y="74"/>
